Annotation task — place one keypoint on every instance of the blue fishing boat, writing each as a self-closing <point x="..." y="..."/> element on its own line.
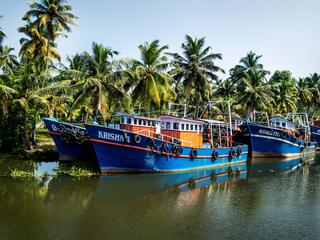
<point x="164" y="144"/>
<point x="315" y="133"/>
<point x="278" y="137"/>
<point x="72" y="141"/>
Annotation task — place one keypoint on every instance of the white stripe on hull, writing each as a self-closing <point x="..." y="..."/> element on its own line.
<point x="280" y="155"/>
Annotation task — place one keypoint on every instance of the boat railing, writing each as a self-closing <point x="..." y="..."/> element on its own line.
<point x="162" y="136"/>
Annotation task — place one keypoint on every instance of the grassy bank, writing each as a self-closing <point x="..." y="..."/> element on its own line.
<point x="44" y="150"/>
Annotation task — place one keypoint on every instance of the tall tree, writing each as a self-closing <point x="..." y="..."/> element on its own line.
<point x="253" y="90"/>
<point x="314" y="85"/>
<point x="7" y="59"/>
<point x="304" y="94"/>
<point x="22" y="92"/>
<point x="250" y="61"/>
<point x="2" y="35"/>
<point x="54" y="16"/>
<point x="196" y="67"/>
<point x="35" y="44"/>
<point x="284" y="91"/>
<point x="225" y="89"/>
<point x="91" y="81"/>
<point x="151" y="84"/>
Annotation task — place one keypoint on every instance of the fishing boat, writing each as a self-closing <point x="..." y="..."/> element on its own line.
<point x="315" y="133"/>
<point x="165" y="144"/>
<point x="277" y="137"/>
<point x="71" y="140"/>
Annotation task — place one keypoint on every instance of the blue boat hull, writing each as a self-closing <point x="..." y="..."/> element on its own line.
<point x="69" y="149"/>
<point x="315" y="135"/>
<point x="267" y="142"/>
<point x="117" y="151"/>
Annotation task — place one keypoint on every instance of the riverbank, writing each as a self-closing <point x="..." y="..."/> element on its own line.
<point x="44" y="150"/>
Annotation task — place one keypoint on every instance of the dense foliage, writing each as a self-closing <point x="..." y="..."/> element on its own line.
<point x="97" y="83"/>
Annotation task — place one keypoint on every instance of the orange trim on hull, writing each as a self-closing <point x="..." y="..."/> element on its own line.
<point x="54" y="133"/>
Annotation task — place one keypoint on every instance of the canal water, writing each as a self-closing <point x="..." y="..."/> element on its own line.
<point x="265" y="202"/>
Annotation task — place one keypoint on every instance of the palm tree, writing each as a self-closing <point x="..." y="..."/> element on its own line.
<point x="304" y="93"/>
<point x="284" y="91"/>
<point x="196" y="67"/>
<point x="36" y="45"/>
<point x="21" y="91"/>
<point x="91" y="81"/>
<point x="7" y="60"/>
<point x="285" y="96"/>
<point x="250" y="61"/>
<point x="253" y="90"/>
<point x="151" y="84"/>
<point x="2" y="35"/>
<point x="225" y="89"/>
<point x="54" y="16"/>
<point x="314" y="85"/>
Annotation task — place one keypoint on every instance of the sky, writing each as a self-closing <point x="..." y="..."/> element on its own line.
<point x="285" y="32"/>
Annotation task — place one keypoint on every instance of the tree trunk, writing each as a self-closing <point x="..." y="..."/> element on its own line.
<point x="47" y="55"/>
<point x="26" y="138"/>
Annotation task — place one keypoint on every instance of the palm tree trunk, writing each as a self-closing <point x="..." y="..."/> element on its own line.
<point x="26" y="138"/>
<point x="47" y="55"/>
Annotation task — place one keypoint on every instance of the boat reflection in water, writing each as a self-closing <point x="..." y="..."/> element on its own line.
<point x="258" y="165"/>
<point x="129" y="185"/>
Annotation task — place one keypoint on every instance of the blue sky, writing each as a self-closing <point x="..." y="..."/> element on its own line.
<point x="285" y="32"/>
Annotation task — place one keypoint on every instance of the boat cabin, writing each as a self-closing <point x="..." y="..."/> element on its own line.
<point x="283" y="124"/>
<point x="139" y="124"/>
<point x="188" y="131"/>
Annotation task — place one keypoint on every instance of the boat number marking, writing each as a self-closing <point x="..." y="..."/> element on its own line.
<point x="269" y="133"/>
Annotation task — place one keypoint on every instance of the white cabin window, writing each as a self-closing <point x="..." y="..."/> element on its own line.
<point x="154" y="123"/>
<point x="196" y="127"/>
<point x="149" y="123"/>
<point x="187" y="126"/>
<point x="129" y="121"/>
<point x="191" y="127"/>
<point x="122" y="120"/>
<point x="200" y="127"/>
<point x="175" y="126"/>
<point x="167" y="125"/>
<point x="135" y="121"/>
<point x="283" y="124"/>
<point x="182" y="126"/>
<point x="140" y="122"/>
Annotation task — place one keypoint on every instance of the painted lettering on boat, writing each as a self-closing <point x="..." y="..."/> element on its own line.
<point x="67" y="129"/>
<point x="54" y="128"/>
<point x="112" y="136"/>
<point x="269" y="133"/>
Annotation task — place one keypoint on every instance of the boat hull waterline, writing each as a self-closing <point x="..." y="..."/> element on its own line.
<point x="71" y="141"/>
<point x="119" y="151"/>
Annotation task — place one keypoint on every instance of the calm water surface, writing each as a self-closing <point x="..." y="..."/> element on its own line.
<point x="265" y="203"/>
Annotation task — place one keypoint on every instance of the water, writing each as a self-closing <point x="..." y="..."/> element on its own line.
<point x="264" y="203"/>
